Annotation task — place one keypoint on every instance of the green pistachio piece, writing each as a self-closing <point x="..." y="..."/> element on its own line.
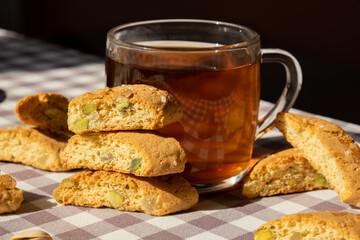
<point x="319" y="180"/>
<point x="106" y="156"/>
<point x="135" y="165"/>
<point x="88" y="108"/>
<point x="53" y="112"/>
<point x="264" y="234"/>
<point x="121" y="103"/>
<point x="81" y="124"/>
<point x="115" y="198"/>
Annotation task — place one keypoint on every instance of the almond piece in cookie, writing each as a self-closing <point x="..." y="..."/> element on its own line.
<point x="330" y="152"/>
<point x="32" y="146"/>
<point x="155" y="196"/>
<point x="284" y="172"/>
<point x="127" y="107"/>
<point x="10" y="196"/>
<point x="140" y="153"/>
<point x="315" y="225"/>
<point x="46" y="110"/>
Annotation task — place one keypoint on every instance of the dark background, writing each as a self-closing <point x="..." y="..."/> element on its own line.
<point x="323" y="35"/>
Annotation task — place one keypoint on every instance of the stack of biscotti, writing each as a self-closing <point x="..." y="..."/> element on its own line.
<point x="133" y="168"/>
<point x="39" y="142"/>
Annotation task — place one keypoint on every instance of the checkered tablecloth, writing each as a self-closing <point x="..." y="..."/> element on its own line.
<point x="29" y="66"/>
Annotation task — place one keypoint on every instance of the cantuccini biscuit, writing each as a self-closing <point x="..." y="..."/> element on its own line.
<point x="10" y="196"/>
<point x="284" y="172"/>
<point x="46" y="110"/>
<point x="155" y="196"/>
<point x="127" y="107"/>
<point x="308" y="226"/>
<point x="142" y="153"/>
<point x="32" y="235"/>
<point x="32" y="146"/>
<point x="329" y="151"/>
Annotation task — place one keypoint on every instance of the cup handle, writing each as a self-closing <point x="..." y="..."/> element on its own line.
<point x="291" y="89"/>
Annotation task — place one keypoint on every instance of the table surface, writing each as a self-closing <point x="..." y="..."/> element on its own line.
<point x="29" y="66"/>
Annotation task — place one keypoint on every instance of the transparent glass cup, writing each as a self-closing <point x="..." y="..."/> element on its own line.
<point x="213" y="69"/>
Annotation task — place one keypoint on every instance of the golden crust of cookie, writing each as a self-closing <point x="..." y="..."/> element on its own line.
<point x="155" y="196"/>
<point x="141" y="153"/>
<point x="31" y="146"/>
<point x="329" y="151"/>
<point x="10" y="196"/>
<point x="127" y="107"/>
<point x="315" y="225"/>
<point x="284" y="172"/>
<point x="46" y="110"/>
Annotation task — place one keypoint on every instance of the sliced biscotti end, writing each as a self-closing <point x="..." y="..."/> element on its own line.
<point x="10" y="196"/>
<point x="36" y="147"/>
<point x="330" y="152"/>
<point x="141" y="153"/>
<point x="284" y="172"/>
<point x="315" y="225"/>
<point x="46" y="110"/>
<point x="127" y="107"/>
<point x="154" y="196"/>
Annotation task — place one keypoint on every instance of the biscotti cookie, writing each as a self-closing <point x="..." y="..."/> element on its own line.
<point x="31" y="146"/>
<point x="127" y="107"/>
<point x="46" y="110"/>
<point x="308" y="226"/>
<point x="283" y="172"/>
<point x="155" y="196"/>
<point x="10" y="196"/>
<point x="140" y="153"/>
<point x="32" y="235"/>
<point x="330" y="152"/>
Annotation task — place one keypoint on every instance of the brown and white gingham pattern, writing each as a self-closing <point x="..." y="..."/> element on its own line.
<point x="30" y="66"/>
<point x="200" y="111"/>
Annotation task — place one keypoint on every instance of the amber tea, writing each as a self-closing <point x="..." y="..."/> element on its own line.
<point x="213" y="69"/>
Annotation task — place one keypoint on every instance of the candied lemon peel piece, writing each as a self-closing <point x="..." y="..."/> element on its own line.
<point x="291" y="182"/>
<point x="263" y="234"/>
